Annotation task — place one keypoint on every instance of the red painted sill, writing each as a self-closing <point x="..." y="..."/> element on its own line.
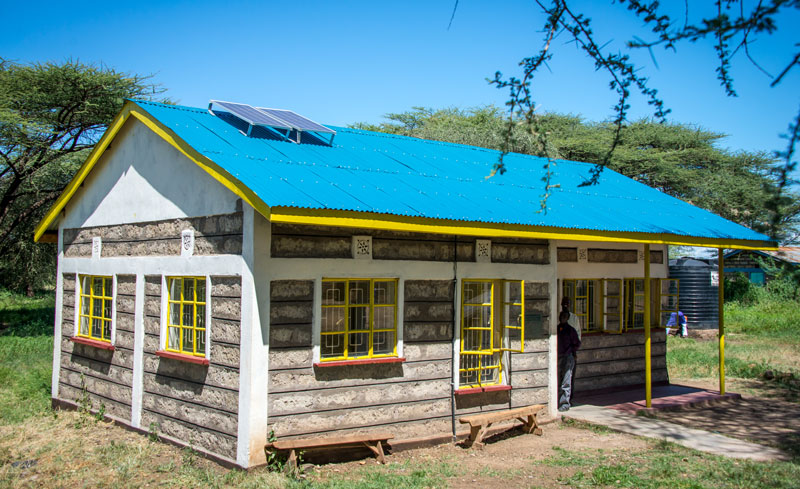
<point x="103" y="345"/>
<point x="478" y="390"/>
<point x="366" y="361"/>
<point x="182" y="358"/>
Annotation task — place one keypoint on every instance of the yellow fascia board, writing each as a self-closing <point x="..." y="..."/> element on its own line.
<point x="387" y="222"/>
<point x="131" y="109"/>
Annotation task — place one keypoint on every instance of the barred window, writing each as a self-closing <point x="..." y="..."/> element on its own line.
<point x="186" y="316"/>
<point x="359" y="319"/>
<point x="492" y="322"/>
<point x="96" y="296"/>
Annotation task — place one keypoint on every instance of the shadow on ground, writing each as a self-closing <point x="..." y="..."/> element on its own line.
<point x="768" y="413"/>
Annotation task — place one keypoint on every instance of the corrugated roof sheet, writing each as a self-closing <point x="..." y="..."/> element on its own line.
<point x="790" y="254"/>
<point x="388" y="174"/>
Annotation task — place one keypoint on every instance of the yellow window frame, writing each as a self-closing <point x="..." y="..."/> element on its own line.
<point x="199" y="339"/>
<point x="486" y="362"/>
<point x="593" y="295"/>
<point x="347" y="306"/>
<point x="612" y="299"/>
<point x="95" y="313"/>
<point x="672" y="299"/>
<point x="634" y="313"/>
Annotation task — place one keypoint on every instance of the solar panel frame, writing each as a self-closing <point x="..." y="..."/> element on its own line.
<point x="252" y="115"/>
<point x="297" y="121"/>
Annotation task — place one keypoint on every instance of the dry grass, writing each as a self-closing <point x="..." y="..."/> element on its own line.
<point x="73" y="450"/>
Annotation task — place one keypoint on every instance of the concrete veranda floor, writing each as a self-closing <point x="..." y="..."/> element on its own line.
<point x="617" y="409"/>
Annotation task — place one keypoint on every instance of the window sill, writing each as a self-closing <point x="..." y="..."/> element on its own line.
<point x="366" y="361"/>
<point x="479" y="390"/>
<point x="103" y="345"/>
<point x="182" y="358"/>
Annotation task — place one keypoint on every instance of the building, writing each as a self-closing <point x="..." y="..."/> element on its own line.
<point x="218" y="280"/>
<point x="750" y="262"/>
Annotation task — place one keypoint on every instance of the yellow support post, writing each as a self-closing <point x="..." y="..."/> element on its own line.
<point x="721" y="294"/>
<point x="648" y="377"/>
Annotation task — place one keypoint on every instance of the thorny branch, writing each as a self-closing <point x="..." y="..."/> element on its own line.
<point x="623" y="73"/>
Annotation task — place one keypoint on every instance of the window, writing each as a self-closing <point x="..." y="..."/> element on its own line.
<point x="587" y="303"/>
<point x="617" y="305"/>
<point x="634" y="303"/>
<point x="492" y="322"/>
<point x="96" y="298"/>
<point x="186" y="315"/>
<point x="359" y="319"/>
<point x="669" y="295"/>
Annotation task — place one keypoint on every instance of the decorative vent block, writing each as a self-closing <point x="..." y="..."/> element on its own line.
<point x="582" y="255"/>
<point x="641" y="255"/>
<point x="362" y="247"/>
<point x="483" y="250"/>
<point x="97" y="247"/>
<point x="187" y="242"/>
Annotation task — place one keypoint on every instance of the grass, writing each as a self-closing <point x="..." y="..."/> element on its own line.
<point x="26" y="355"/>
<point x="770" y="317"/>
<point x="667" y="465"/>
<point x="762" y="338"/>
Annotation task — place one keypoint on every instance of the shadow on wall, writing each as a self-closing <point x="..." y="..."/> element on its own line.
<point x="491" y="399"/>
<point x="172" y="371"/>
<point x="342" y="372"/>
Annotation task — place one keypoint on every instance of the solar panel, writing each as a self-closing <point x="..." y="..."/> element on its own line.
<point x="296" y="120"/>
<point x="251" y="115"/>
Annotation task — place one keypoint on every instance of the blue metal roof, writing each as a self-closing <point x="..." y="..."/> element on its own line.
<point x="398" y="175"/>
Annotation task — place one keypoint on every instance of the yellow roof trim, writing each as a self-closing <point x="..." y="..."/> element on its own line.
<point x="387" y="222"/>
<point x="131" y="109"/>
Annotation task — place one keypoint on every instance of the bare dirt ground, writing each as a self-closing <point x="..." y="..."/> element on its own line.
<point x="510" y="458"/>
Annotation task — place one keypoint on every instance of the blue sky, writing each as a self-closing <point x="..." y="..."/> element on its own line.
<point x="350" y="61"/>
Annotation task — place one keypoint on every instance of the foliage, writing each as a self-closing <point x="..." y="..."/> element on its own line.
<point x="781" y="290"/>
<point x="730" y="29"/>
<point x="678" y="159"/>
<point x="50" y="117"/>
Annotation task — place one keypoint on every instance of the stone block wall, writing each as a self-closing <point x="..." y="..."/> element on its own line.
<point x="412" y="398"/>
<point x="97" y="378"/>
<point x="214" y="235"/>
<point x="190" y="402"/>
<point x="617" y="360"/>
<point x="301" y="241"/>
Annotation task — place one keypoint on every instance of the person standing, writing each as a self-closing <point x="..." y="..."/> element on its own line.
<point x="574" y="321"/>
<point x="568" y="345"/>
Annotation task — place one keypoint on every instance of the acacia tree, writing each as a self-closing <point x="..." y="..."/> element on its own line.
<point x="677" y="159"/>
<point x="51" y="115"/>
<point x="732" y="29"/>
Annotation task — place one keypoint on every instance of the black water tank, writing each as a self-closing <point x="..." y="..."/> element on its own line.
<point x="699" y="300"/>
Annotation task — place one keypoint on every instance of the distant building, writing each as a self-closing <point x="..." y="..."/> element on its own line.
<point x="749" y="262"/>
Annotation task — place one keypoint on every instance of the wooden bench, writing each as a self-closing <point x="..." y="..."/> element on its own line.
<point x="480" y="423"/>
<point x="373" y="441"/>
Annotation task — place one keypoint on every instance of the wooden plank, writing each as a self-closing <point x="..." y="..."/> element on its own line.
<point x="330" y="441"/>
<point x="501" y="415"/>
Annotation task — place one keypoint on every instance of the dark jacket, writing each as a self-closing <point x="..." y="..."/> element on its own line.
<point x="568" y="342"/>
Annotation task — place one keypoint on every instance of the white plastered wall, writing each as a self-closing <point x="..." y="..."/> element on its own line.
<point x="141" y="178"/>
